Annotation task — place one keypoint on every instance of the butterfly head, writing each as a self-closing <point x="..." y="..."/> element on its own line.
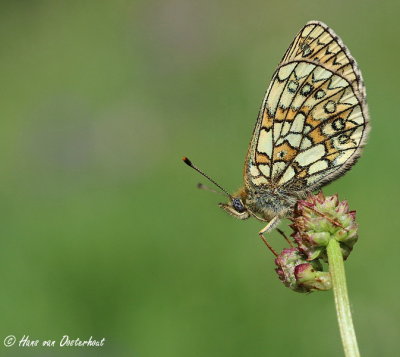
<point x="236" y="208"/>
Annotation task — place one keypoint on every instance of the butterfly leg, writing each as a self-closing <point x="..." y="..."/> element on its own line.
<point x="282" y="233"/>
<point x="268" y="228"/>
<point x="328" y="218"/>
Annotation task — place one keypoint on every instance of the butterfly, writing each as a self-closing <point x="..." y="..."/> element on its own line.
<point x="311" y="128"/>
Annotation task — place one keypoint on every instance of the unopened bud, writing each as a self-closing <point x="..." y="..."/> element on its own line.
<point x="299" y="274"/>
<point x="318" y="219"/>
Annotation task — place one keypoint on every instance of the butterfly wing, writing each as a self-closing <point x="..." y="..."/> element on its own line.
<point x="313" y="121"/>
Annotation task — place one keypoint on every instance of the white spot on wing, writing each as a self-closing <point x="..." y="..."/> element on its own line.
<point x="310" y="155"/>
<point x="356" y="115"/>
<point x="285" y="129"/>
<point x="286" y="99"/>
<point x="294" y="139"/>
<point x="265" y="142"/>
<point x="264" y="169"/>
<point x="289" y="173"/>
<point x="305" y="144"/>
<point x="307" y="129"/>
<point x="298" y="123"/>
<point x="330" y="106"/>
<point x="277" y="168"/>
<point x="318" y="166"/>
<point x="337" y="82"/>
<point x="349" y="97"/>
<point x="321" y="74"/>
<point x="297" y="102"/>
<point x="277" y="130"/>
<point x="260" y="181"/>
<point x="303" y="69"/>
<point x="254" y="170"/>
<point x="285" y="71"/>
<point x="357" y="135"/>
<point x="273" y="96"/>
<point x="343" y="157"/>
<point x="280" y="140"/>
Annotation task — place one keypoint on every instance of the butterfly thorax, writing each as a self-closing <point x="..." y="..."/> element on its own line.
<point x="269" y="203"/>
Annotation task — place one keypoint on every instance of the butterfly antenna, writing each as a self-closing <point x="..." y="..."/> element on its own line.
<point x="206" y="188"/>
<point x="189" y="163"/>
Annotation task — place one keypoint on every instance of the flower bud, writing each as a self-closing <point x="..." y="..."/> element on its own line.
<point x="311" y="279"/>
<point x="300" y="275"/>
<point x="318" y="219"/>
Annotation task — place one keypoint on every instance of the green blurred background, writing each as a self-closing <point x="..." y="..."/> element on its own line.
<point x="103" y="232"/>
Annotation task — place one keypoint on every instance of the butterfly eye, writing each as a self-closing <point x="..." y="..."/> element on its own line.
<point x="238" y="205"/>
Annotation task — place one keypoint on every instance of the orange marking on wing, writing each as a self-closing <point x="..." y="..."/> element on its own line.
<point x="349" y="125"/>
<point x="341" y="107"/>
<point x="291" y="114"/>
<point x="267" y="120"/>
<point x="331" y="152"/>
<point x="316" y="135"/>
<point x="284" y="152"/>
<point x="302" y="173"/>
<point x="323" y="85"/>
<point x="262" y="159"/>
<point x="332" y="156"/>
<point x="346" y="113"/>
<point x="281" y="114"/>
<point x="312" y="122"/>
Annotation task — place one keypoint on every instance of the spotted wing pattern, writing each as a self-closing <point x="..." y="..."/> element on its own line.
<point x="316" y="42"/>
<point x="313" y="121"/>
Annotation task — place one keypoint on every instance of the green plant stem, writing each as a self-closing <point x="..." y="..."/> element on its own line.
<point x="336" y="268"/>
